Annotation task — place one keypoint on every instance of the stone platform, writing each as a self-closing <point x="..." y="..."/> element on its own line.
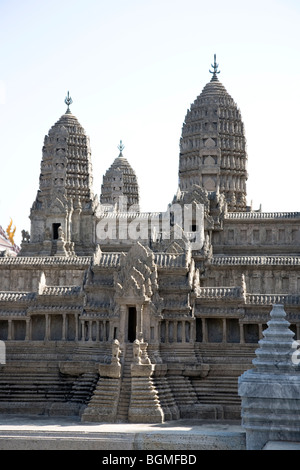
<point x="44" y="433"/>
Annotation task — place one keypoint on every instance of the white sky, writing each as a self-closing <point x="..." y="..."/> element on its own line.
<point x="133" y="68"/>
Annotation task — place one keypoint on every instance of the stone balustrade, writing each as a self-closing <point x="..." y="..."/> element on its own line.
<point x="262" y="215"/>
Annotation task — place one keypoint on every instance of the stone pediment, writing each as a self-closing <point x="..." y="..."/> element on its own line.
<point x="177" y="246"/>
<point x="58" y="204"/>
<point x="60" y="132"/>
<point x="196" y="194"/>
<point x="137" y="276"/>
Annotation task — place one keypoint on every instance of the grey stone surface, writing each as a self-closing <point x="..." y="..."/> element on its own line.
<point x="38" y="433"/>
<point x="282" y="445"/>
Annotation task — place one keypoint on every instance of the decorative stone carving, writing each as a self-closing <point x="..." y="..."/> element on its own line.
<point x="112" y="370"/>
<point x="115" y="356"/>
<point x="137" y="277"/>
<point x="25" y="236"/>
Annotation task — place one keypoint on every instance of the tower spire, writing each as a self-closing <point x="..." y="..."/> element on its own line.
<point x="68" y="101"/>
<point x="215" y="69"/>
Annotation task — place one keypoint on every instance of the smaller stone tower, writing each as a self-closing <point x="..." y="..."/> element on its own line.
<point x="120" y="188"/>
<point x="270" y="390"/>
<point x="62" y="214"/>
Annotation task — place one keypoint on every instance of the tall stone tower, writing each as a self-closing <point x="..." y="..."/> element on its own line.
<point x="213" y="145"/>
<point x="62" y="214"/>
<point x="120" y="188"/>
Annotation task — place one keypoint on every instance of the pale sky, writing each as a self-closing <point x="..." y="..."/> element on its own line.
<point x="133" y="68"/>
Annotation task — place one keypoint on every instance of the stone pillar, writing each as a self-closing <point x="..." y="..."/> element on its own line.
<point x="82" y="330"/>
<point x="47" y="327"/>
<point x="76" y="327"/>
<point x="123" y="329"/>
<point x="9" y="333"/>
<point x="97" y="331"/>
<point x="139" y="321"/>
<point x="260" y="331"/>
<point x="64" y="327"/>
<point x="167" y="332"/>
<point x="204" y="330"/>
<point x="298" y="331"/>
<point x="270" y="391"/>
<point x="183" y="332"/>
<point x="175" y="332"/>
<point x="27" y="334"/>
<point x="242" y="335"/>
<point x="224" y="336"/>
<point x="90" y="330"/>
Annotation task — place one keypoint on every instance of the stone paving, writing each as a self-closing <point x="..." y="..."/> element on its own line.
<point x="47" y="433"/>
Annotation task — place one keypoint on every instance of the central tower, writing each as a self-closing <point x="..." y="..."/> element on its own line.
<point x="213" y="145"/>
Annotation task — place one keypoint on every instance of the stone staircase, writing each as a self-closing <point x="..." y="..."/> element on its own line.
<point x="102" y="405"/>
<point x="125" y="392"/>
<point x="220" y="394"/>
<point x="183" y="392"/>
<point x="83" y="387"/>
<point x="166" y="398"/>
<point x="220" y="390"/>
<point x="34" y="392"/>
<point x="111" y="398"/>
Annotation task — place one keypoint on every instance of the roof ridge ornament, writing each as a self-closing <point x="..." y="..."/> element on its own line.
<point x="121" y="148"/>
<point x="68" y="101"/>
<point x="215" y="69"/>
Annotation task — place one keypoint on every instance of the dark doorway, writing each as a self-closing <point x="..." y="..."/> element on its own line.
<point x="55" y="228"/>
<point x="131" y="324"/>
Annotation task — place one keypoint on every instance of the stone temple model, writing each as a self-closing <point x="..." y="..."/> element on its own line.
<point x="113" y="314"/>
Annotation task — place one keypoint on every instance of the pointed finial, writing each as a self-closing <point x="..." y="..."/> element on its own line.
<point x="68" y="101"/>
<point x="121" y="147"/>
<point x="215" y="67"/>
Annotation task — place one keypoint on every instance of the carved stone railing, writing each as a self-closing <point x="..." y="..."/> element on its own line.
<point x="262" y="215"/>
<point x="271" y="299"/>
<point x="61" y="290"/>
<point x="109" y="259"/>
<point x="17" y="296"/>
<point x="219" y="292"/>
<point x="46" y="261"/>
<point x="166" y="260"/>
<point x="163" y="260"/>
<point x="255" y="260"/>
